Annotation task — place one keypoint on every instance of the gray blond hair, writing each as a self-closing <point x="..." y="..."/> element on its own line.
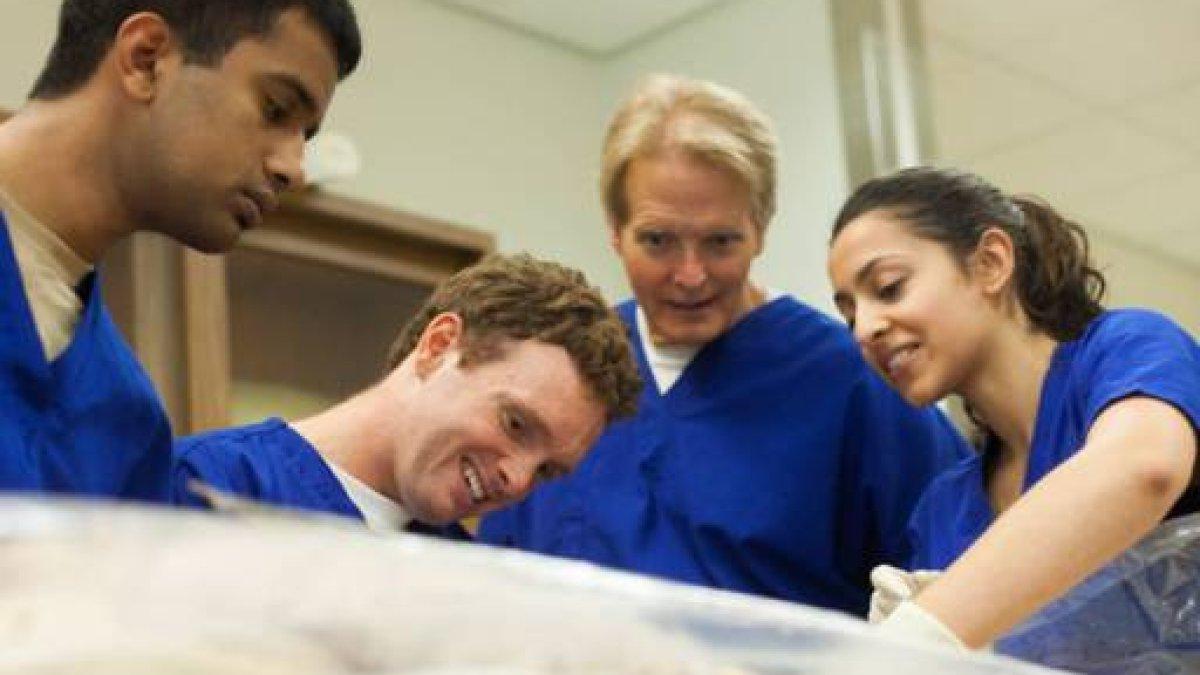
<point x="704" y="120"/>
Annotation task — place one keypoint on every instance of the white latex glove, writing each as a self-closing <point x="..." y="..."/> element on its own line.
<point x="893" y="586"/>
<point x="911" y="622"/>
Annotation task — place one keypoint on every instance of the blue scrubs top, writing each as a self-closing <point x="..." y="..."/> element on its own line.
<point x="1122" y="353"/>
<point x="88" y="423"/>
<point x="269" y="462"/>
<point x="778" y="464"/>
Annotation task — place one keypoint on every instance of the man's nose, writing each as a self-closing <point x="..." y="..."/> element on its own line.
<point x="690" y="273"/>
<point x="285" y="164"/>
<point x="517" y="476"/>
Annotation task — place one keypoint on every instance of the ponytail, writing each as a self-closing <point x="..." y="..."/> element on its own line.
<point x="1055" y="281"/>
<point x="1058" y="285"/>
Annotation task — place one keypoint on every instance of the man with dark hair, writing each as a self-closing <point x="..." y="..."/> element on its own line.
<point x="182" y="117"/>
<point x="206" y="30"/>
<point x="503" y="380"/>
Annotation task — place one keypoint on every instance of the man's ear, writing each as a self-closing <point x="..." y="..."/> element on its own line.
<point x="440" y="340"/>
<point x="614" y="236"/>
<point x="142" y="51"/>
<point x="760" y="236"/>
<point x="994" y="261"/>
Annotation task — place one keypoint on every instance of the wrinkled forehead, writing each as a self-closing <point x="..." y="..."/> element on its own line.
<point x="686" y="182"/>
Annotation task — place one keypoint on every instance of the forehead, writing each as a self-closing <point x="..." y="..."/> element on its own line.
<point x="871" y="236"/>
<point x="543" y="378"/>
<point x="673" y="179"/>
<point x="295" y="48"/>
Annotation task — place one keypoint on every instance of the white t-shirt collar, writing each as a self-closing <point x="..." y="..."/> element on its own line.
<point x="380" y="513"/>
<point x="667" y="362"/>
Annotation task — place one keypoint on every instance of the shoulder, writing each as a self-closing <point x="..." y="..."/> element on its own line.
<point x="1134" y="329"/>
<point x="244" y="460"/>
<point x="1125" y="327"/>
<point x="790" y="309"/>
<point x="788" y="348"/>
<point x="1132" y="352"/>
<point x="228" y="444"/>
<point x="800" y="328"/>
<point x="1135" y="340"/>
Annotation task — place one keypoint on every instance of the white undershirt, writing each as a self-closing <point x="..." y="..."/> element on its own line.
<point x="380" y="513"/>
<point x="667" y="362"/>
<point x="50" y="271"/>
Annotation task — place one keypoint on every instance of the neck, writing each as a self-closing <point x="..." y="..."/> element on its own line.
<point x="55" y="162"/>
<point x="357" y="436"/>
<point x="1006" y="390"/>
<point x="752" y="297"/>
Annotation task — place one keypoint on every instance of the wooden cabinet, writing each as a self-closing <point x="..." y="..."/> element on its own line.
<point x="301" y="314"/>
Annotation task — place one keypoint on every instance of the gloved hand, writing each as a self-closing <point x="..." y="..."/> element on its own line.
<point x="893" y="586"/>
<point x="911" y="622"/>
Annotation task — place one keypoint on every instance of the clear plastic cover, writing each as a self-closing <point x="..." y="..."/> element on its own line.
<point x="1141" y="614"/>
<point x="108" y="588"/>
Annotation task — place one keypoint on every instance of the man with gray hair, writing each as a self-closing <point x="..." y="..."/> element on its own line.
<point x="766" y="456"/>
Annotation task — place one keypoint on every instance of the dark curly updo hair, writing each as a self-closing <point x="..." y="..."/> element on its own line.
<point x="1056" y="283"/>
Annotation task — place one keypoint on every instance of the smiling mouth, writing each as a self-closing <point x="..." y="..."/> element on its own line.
<point x="899" y="360"/>
<point x="474" y="481"/>
<point x="690" y="306"/>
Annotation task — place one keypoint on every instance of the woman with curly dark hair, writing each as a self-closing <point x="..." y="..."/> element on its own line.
<point x="1088" y="416"/>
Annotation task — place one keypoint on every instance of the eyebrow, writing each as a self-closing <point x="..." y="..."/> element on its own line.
<point x="865" y="271"/>
<point x="841" y="297"/>
<point x="300" y="90"/>
<point x="860" y="277"/>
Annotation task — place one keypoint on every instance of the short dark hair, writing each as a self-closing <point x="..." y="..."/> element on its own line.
<point x="207" y="29"/>
<point x="1057" y="284"/>
<point x="519" y="297"/>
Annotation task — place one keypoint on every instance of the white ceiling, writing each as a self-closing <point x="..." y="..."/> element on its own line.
<point x="595" y="27"/>
<point x="1093" y="104"/>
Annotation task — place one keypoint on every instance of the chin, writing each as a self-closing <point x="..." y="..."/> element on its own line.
<point x="692" y="335"/>
<point x="918" y="400"/>
<point x="209" y="237"/>
<point x="919" y="397"/>
<point x="440" y="514"/>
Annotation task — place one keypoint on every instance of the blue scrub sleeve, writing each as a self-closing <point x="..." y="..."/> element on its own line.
<point x="1142" y="353"/>
<point x="183" y="472"/>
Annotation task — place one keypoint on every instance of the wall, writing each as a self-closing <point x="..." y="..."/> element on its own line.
<point x="1140" y="278"/>
<point x="455" y="118"/>
<point x="461" y="119"/>
<point x="26" y="33"/>
<point x="498" y="130"/>
<point x="464" y="120"/>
